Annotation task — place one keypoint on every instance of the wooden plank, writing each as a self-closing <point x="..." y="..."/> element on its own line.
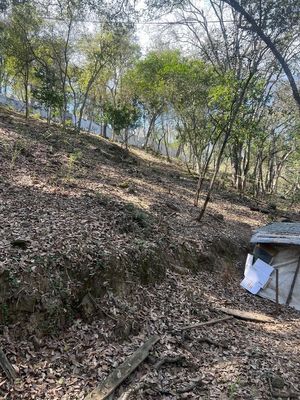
<point x="246" y="315"/>
<point x="107" y="387"/>
<point x="210" y="322"/>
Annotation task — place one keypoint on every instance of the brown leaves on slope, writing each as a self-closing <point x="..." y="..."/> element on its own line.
<point x="234" y="364"/>
<point x="63" y="195"/>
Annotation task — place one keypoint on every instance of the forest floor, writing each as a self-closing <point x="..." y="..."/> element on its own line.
<point x="99" y="250"/>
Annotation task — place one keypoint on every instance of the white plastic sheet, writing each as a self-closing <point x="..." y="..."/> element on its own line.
<point x="257" y="275"/>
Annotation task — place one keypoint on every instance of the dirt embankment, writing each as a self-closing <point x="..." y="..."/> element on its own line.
<point x="81" y="215"/>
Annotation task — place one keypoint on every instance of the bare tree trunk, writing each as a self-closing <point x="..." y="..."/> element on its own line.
<point x="150" y="129"/>
<point x="126" y="135"/>
<point x="26" y="90"/>
<point x="104" y="131"/>
<point x="212" y="182"/>
<point x="179" y="150"/>
<point x="64" y="73"/>
<point x="203" y="173"/>
<point x="49" y="116"/>
<point x="236" y="104"/>
<point x="246" y="165"/>
<point x="167" y="148"/>
<point x="82" y="109"/>
<point x="26" y="100"/>
<point x="271" y="45"/>
<point x="165" y="138"/>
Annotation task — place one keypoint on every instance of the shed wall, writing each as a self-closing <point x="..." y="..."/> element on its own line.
<point x="286" y="261"/>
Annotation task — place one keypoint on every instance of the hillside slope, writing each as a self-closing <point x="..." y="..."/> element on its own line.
<point x="101" y="241"/>
<point x="87" y="208"/>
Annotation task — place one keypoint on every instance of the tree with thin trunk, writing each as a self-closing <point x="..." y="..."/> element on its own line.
<point x="21" y="29"/>
<point x="285" y="14"/>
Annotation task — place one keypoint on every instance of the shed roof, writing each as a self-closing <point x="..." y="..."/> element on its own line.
<point x="278" y="232"/>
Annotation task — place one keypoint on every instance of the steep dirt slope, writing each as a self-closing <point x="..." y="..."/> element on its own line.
<point x="80" y="214"/>
<point x="104" y="242"/>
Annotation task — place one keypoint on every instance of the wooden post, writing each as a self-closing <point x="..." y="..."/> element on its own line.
<point x="277" y="291"/>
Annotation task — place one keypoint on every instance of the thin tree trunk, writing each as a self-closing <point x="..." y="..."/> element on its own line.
<point x="179" y="150"/>
<point x="65" y="73"/>
<point x="204" y="172"/>
<point x="212" y="182"/>
<point x="91" y="81"/>
<point x="104" y="131"/>
<point x="271" y="45"/>
<point x="234" y="112"/>
<point x="126" y="134"/>
<point x="49" y="116"/>
<point x="26" y="97"/>
<point x="167" y="148"/>
<point x="150" y="128"/>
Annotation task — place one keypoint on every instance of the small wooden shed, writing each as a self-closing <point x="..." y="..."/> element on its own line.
<point x="272" y="271"/>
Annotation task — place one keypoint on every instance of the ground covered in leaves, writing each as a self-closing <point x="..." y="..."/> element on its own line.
<point x="103" y="242"/>
<point x="237" y="362"/>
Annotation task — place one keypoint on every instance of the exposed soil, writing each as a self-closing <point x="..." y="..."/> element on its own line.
<point x="108" y="249"/>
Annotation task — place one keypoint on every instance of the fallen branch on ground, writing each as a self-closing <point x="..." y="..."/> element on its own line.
<point x="211" y="322"/>
<point x="122" y="372"/>
<point x="248" y="316"/>
<point x="7" y="367"/>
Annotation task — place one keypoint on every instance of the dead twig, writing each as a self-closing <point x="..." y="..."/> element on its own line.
<point x="211" y="322"/>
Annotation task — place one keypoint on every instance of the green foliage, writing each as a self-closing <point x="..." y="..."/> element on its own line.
<point x="48" y="92"/>
<point x="123" y="115"/>
<point x="148" y="79"/>
<point x="232" y="390"/>
<point x="21" y="32"/>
